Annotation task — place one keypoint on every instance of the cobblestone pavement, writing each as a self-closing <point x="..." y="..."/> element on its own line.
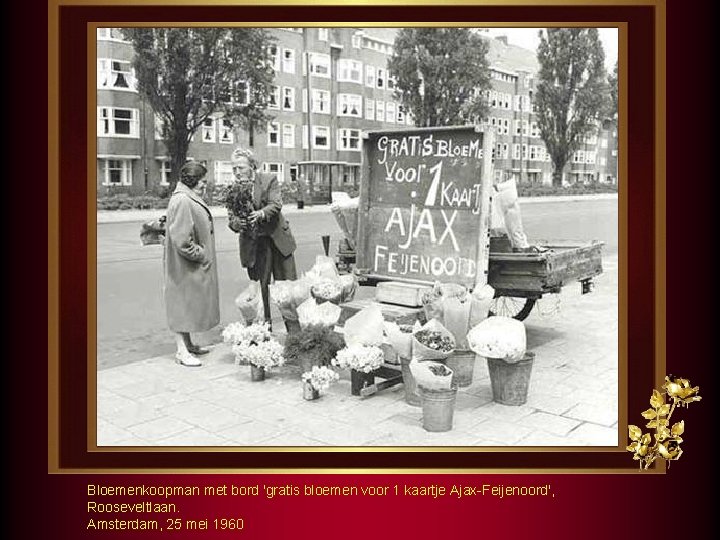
<point x="572" y="400"/>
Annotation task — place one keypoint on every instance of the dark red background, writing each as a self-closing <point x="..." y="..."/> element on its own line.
<point x="590" y="506"/>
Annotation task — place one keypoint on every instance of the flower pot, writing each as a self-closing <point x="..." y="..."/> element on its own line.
<point x="359" y="380"/>
<point x="463" y="364"/>
<point x="309" y="391"/>
<point x="438" y="408"/>
<point x="412" y="396"/>
<point x="510" y="381"/>
<point x="257" y="373"/>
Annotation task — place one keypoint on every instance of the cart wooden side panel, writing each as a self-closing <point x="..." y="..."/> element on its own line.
<point x="531" y="275"/>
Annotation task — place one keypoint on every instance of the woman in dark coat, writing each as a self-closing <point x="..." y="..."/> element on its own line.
<point x="191" y="280"/>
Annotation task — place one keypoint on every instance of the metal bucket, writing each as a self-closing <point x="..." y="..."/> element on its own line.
<point x="463" y="364"/>
<point x="412" y="396"/>
<point x="438" y="408"/>
<point x="359" y="380"/>
<point x="510" y="381"/>
<point x="257" y="373"/>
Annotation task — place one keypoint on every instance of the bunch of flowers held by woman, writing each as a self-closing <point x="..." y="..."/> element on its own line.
<point x="254" y="345"/>
<point x="363" y="358"/>
<point x="320" y="378"/>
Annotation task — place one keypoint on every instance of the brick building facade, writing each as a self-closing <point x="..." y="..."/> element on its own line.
<point x="330" y="85"/>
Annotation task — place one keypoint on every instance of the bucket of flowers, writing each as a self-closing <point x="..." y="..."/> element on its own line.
<point x="254" y="345"/>
<point x="319" y="378"/>
<point x="362" y="361"/>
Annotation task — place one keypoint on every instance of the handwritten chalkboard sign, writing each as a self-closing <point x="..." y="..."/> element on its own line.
<point x="425" y="204"/>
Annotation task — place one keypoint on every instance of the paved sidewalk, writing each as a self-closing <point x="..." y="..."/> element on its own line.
<point x="572" y="399"/>
<point x="122" y="216"/>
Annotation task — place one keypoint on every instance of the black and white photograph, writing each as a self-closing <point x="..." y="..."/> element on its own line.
<point x="381" y="237"/>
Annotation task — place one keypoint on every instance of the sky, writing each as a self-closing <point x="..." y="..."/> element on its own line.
<point x="528" y="38"/>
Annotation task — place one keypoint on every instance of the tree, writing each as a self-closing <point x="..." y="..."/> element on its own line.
<point x="189" y="74"/>
<point x="613" y="83"/>
<point x="441" y="75"/>
<point x="571" y="92"/>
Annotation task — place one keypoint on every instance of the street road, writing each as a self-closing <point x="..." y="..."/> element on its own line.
<point x="130" y="312"/>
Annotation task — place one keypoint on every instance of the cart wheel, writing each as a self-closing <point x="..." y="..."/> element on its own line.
<point x="510" y="306"/>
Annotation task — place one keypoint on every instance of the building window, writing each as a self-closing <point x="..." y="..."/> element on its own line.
<point x="322" y="34"/>
<point x="370" y="109"/>
<point x="391" y="82"/>
<point x="274" y="98"/>
<point x="356" y="40"/>
<point x="349" y="139"/>
<point x="320" y="65"/>
<point x="521" y="127"/>
<point x="274" y="168"/>
<point x="390" y="112"/>
<point x="400" y="114"/>
<point x="369" y="76"/>
<point x="350" y="71"/>
<point x="226" y="132"/>
<point x="288" y="60"/>
<point x="349" y="105"/>
<point x="613" y="153"/>
<point x="380" y="111"/>
<point x="590" y="157"/>
<point x="321" y="101"/>
<point x="288" y="136"/>
<point x="116" y="122"/>
<point x="579" y="156"/>
<point x="321" y="137"/>
<point x="293" y="173"/>
<point x="273" y="131"/>
<point x="223" y="173"/>
<point x="380" y="79"/>
<point x="274" y="57"/>
<point x="159" y="127"/>
<point x="603" y="161"/>
<point x="117" y="172"/>
<point x="111" y="34"/>
<point x="115" y="74"/>
<point x="534" y="129"/>
<point x="208" y="130"/>
<point x="516" y="151"/>
<point x="603" y="143"/>
<point x="241" y="95"/>
<point x="165" y="171"/>
<point x="288" y="98"/>
<point x="533" y="153"/>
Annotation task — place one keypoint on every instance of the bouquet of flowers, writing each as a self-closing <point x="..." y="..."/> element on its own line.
<point x="505" y="204"/>
<point x="314" y="346"/>
<point x="249" y="302"/>
<point x="349" y="283"/>
<point x="239" y="202"/>
<point x="266" y="354"/>
<point x="432" y="375"/>
<point x="327" y="290"/>
<point x="432" y="341"/>
<point x="363" y="358"/>
<point x="499" y="337"/>
<point x="346" y="216"/>
<point x="365" y="327"/>
<point x="310" y="313"/>
<point x="433" y="299"/>
<point x="237" y="333"/>
<point x="254" y="344"/>
<point x="320" y="378"/>
<point x="288" y="295"/>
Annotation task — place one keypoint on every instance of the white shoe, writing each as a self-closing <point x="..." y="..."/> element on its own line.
<point x="184" y="358"/>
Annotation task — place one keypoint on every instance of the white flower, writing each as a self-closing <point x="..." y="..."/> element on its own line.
<point x="320" y="377"/>
<point x="266" y="354"/>
<point x="237" y="333"/>
<point x="360" y="358"/>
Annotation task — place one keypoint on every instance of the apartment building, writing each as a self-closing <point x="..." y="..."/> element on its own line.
<point x="330" y="85"/>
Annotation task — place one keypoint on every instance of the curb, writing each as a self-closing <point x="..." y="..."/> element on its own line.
<point x="126" y="216"/>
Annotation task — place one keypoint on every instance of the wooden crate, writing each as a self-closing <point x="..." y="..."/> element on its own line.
<point x="401" y="294"/>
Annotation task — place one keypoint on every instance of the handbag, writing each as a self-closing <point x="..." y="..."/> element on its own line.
<point x="153" y="231"/>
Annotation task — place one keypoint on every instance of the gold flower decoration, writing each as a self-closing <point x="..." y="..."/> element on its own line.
<point x="667" y="438"/>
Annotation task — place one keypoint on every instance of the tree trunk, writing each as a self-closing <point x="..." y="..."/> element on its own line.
<point x="557" y="174"/>
<point x="178" y="156"/>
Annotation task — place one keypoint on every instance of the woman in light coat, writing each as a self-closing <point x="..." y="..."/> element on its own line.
<point x="191" y="280"/>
